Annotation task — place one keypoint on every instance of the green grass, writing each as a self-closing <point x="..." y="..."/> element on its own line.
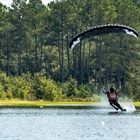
<point x="39" y="103"/>
<point x="22" y="103"/>
<point x="137" y="104"/>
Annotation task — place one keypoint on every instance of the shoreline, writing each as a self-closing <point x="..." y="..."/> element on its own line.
<point x="22" y="103"/>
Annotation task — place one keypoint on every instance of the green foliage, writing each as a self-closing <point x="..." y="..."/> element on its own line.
<point x="36" y="37"/>
<point x="45" y="89"/>
<point x="70" y="88"/>
<point x="27" y="87"/>
<point x="5" y="88"/>
<point x="84" y="91"/>
<point x="2" y="92"/>
<point x="96" y="98"/>
<point x="20" y="88"/>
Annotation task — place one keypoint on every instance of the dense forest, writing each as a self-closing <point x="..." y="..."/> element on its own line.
<point x="35" y="59"/>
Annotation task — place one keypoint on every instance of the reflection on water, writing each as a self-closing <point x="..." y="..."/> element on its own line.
<point x="68" y="123"/>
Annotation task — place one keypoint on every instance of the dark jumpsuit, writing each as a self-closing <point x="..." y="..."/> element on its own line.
<point x="114" y="100"/>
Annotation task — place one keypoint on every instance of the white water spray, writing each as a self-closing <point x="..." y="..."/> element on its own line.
<point x="128" y="105"/>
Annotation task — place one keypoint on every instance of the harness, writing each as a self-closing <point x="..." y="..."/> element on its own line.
<point x="112" y="95"/>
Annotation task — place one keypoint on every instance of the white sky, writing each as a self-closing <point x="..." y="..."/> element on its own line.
<point x="9" y="2"/>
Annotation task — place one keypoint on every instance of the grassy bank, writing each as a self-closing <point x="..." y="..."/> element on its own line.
<point x="39" y="103"/>
<point x="21" y="103"/>
<point x="137" y="104"/>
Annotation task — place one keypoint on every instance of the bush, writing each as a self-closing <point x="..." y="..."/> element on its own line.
<point x="45" y="89"/>
<point x="5" y="86"/>
<point x="96" y="98"/>
<point x="19" y="86"/>
<point x="2" y="92"/>
<point x="70" y="88"/>
<point x="84" y="91"/>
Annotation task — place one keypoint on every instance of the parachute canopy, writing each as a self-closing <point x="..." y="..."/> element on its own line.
<point x="103" y="29"/>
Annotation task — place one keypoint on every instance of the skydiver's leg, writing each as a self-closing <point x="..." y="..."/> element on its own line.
<point x="111" y="103"/>
<point x="119" y="106"/>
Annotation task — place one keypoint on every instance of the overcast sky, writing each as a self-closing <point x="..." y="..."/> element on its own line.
<point x="9" y="2"/>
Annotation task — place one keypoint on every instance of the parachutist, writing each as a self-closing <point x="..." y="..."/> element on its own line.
<point x="113" y="97"/>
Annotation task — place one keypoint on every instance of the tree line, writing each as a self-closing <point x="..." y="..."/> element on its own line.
<point x="35" y="37"/>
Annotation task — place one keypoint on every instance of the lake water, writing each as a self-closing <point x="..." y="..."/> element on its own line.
<point x="69" y="123"/>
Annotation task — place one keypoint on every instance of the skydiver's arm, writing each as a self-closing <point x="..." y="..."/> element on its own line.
<point x="103" y="90"/>
<point x="119" y="87"/>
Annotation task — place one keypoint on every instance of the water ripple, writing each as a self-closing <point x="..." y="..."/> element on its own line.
<point x="68" y="124"/>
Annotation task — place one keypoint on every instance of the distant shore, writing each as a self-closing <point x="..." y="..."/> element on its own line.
<point x="22" y="103"/>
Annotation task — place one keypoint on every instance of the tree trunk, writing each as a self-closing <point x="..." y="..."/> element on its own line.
<point x="36" y="53"/>
<point x="41" y="53"/>
<point x="68" y="56"/>
<point x="8" y="58"/>
<point x="19" y="58"/>
<point x="59" y="54"/>
<point x="82" y="65"/>
<point x="62" y="60"/>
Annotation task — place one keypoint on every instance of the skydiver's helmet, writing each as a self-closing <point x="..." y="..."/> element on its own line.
<point x="111" y="88"/>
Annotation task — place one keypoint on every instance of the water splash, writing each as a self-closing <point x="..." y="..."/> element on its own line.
<point x="128" y="105"/>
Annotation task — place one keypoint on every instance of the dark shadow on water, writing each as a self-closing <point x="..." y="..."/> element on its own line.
<point x="113" y="113"/>
<point x="118" y="112"/>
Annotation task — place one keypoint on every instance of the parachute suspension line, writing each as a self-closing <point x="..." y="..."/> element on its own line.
<point x="88" y="64"/>
<point x="100" y="64"/>
<point x="80" y="63"/>
<point x="83" y="58"/>
<point x="107" y="68"/>
<point x="119" y="63"/>
<point x="96" y="56"/>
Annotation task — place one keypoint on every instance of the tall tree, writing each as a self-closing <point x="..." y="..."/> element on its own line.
<point x="17" y="19"/>
<point x="35" y="18"/>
